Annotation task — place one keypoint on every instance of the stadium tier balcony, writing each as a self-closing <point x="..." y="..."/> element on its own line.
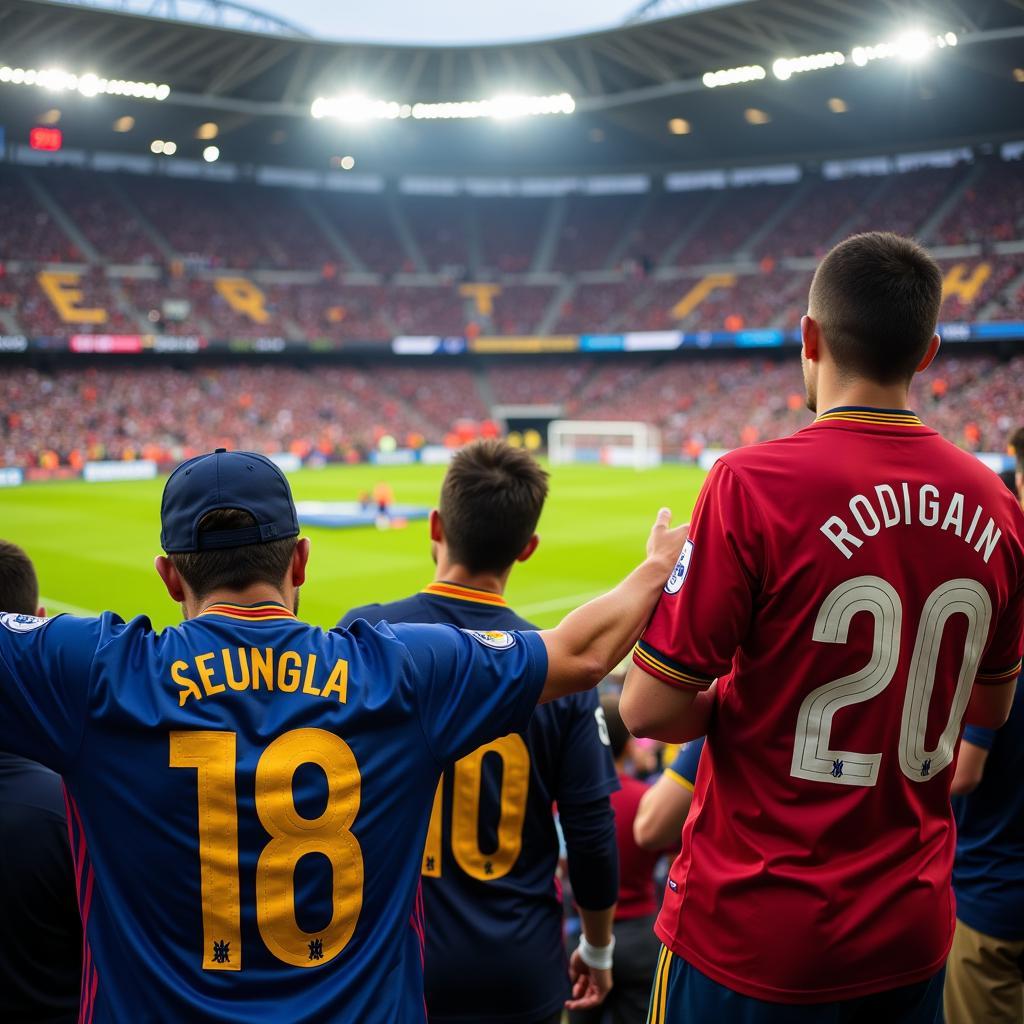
<point x="441" y="229"/>
<point x="991" y="208"/>
<point x="365" y="223"/>
<point x="509" y="232"/>
<point x="518" y="309"/>
<point x="27" y="229"/>
<point x="91" y="202"/>
<point x="592" y="227"/>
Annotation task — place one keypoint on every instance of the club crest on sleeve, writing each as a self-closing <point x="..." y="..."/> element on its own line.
<point x="495" y="638"/>
<point x="678" y="577"/>
<point x="17" y="623"/>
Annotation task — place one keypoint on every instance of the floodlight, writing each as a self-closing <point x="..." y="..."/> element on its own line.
<point x="89" y="84"/>
<point x="734" y="76"/>
<point x="347" y="163"/>
<point x="156" y="146"/>
<point x="211" y="154"/>
<point x="170" y="148"/>
<point x="356" y="108"/>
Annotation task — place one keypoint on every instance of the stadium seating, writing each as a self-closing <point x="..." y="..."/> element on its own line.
<point x="333" y="409"/>
<point x="302" y="258"/>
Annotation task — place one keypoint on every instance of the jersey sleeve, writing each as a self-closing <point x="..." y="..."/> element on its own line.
<point x="1002" y="661"/>
<point x="370" y="612"/>
<point x="472" y="686"/>
<point x="980" y="736"/>
<point x="45" y="667"/>
<point x="705" y="610"/>
<point x="587" y="769"/>
<point x="683" y="768"/>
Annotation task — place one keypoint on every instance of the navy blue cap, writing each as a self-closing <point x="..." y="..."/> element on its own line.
<point x="224" y="479"/>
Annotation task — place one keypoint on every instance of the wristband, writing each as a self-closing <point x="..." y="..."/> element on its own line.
<point x="597" y="957"/>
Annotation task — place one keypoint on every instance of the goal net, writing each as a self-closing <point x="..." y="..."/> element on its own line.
<point x="609" y="442"/>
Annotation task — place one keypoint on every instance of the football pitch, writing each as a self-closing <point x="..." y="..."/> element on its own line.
<point x="93" y="544"/>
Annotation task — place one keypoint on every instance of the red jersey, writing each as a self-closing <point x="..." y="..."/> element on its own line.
<point x="636" y="866"/>
<point x="846" y="586"/>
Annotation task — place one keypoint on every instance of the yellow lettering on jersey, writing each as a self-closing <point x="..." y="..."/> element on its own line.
<point x="956" y="281"/>
<point x="188" y="688"/>
<point x="288" y="679"/>
<point x="338" y="683"/>
<point x="307" y="683"/>
<point x="206" y="675"/>
<point x="242" y="683"/>
<point x="483" y="296"/>
<point x="62" y="289"/>
<point x="699" y="292"/>
<point x="243" y="297"/>
<point x="262" y="667"/>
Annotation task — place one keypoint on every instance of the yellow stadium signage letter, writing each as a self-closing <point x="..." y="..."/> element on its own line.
<point x="965" y="288"/>
<point x="243" y="297"/>
<point x="62" y="289"/>
<point x="482" y="296"/>
<point x="699" y="292"/>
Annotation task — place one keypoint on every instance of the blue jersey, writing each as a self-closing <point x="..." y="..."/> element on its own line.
<point x="684" y="765"/>
<point x="494" y="917"/>
<point x="249" y="796"/>
<point x="988" y="876"/>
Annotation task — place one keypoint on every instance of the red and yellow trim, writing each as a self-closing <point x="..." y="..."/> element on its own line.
<point x="1005" y="675"/>
<point x="657" y="664"/>
<point x="248" y="613"/>
<point x="878" y="417"/>
<point x="453" y="590"/>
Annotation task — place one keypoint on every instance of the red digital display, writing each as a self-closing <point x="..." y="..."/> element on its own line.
<point x="47" y="139"/>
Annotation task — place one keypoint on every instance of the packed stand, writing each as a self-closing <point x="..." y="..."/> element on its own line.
<point x="990" y="210"/>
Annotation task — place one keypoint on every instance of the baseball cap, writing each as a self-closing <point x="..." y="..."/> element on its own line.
<point x="223" y="479"/>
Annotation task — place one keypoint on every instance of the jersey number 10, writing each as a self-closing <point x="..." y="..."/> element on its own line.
<point x="292" y="836"/>
<point x="812" y="758"/>
<point x="465" y="838"/>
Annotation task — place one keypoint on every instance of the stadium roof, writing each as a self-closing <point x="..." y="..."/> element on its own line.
<point x="628" y="83"/>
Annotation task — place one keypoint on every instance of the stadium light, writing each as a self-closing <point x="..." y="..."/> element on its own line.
<point x="124" y="124"/>
<point x="88" y="84"/>
<point x="785" y="67"/>
<point x="160" y="147"/>
<point x="208" y="131"/>
<point x="734" y="76"/>
<point x="679" y="126"/>
<point x="211" y="154"/>
<point x="354" y="108"/>
<point x="913" y="45"/>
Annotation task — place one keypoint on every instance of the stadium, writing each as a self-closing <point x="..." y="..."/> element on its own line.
<point x="222" y="230"/>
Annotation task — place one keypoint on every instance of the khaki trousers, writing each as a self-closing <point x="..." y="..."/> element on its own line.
<point x="984" y="979"/>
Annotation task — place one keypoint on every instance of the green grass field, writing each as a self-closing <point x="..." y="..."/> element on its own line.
<point x="93" y="544"/>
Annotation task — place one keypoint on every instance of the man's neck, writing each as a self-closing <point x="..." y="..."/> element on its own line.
<point x="490" y="582"/>
<point x="260" y="593"/>
<point x="862" y="393"/>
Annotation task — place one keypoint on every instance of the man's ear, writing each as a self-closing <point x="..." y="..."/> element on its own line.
<point x="933" y="349"/>
<point x="810" y="338"/>
<point x="531" y="546"/>
<point x="299" y="560"/>
<point x="172" y="581"/>
<point x="40" y="612"/>
<point x="436" y="527"/>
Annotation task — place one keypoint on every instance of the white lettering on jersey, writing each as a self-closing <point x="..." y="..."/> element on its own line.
<point x="870" y="514"/>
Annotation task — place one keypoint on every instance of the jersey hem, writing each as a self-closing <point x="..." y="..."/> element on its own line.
<point x="798" y="997"/>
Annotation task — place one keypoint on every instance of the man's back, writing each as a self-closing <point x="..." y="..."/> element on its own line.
<point x="494" y="946"/>
<point x="40" y="934"/>
<point x="246" y="789"/>
<point x="858" y="570"/>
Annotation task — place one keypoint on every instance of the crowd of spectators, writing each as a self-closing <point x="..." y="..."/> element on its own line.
<point x="305" y="252"/>
<point x="334" y="410"/>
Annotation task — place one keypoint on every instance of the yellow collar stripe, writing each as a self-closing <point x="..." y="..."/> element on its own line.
<point x="888" y="419"/>
<point x="453" y="590"/>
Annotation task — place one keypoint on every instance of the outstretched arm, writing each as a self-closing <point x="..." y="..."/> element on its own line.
<point x="590" y="641"/>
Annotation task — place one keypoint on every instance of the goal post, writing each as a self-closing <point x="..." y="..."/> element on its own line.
<point x="608" y="442"/>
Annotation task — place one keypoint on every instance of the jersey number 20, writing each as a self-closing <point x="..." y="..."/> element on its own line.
<point x="292" y="836"/>
<point x="812" y="758"/>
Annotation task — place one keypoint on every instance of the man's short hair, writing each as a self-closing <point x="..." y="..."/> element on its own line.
<point x="1016" y="445"/>
<point x="618" y="734"/>
<point x="876" y="298"/>
<point x="491" y="499"/>
<point x="19" y="588"/>
<point x="233" y="568"/>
